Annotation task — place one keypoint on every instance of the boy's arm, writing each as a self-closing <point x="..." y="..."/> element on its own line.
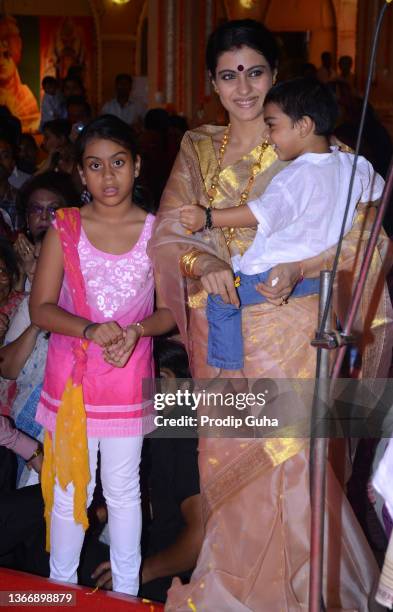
<point x="193" y="217"/>
<point x="236" y="216"/>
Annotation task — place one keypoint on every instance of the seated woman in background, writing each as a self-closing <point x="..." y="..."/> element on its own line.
<point x="23" y="357"/>
<point x="10" y="294"/>
<point x="10" y="298"/>
<point x="37" y="203"/>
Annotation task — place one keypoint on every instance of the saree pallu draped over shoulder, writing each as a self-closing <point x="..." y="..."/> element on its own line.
<point x="255" y="492"/>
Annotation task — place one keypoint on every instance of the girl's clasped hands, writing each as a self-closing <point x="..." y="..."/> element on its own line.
<point x="118" y="343"/>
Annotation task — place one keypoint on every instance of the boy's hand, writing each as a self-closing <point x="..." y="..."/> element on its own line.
<point x="193" y="217"/>
<point x="118" y="354"/>
<point x="105" y="334"/>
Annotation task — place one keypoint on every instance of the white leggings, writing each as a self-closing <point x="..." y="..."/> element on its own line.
<point x="120" y="458"/>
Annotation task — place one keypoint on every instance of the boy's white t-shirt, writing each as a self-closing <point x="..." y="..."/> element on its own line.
<point x="300" y="213"/>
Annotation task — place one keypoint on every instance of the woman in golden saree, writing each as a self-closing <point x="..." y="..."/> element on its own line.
<point x="255" y="555"/>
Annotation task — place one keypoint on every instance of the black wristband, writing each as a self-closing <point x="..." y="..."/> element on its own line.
<point x="209" y="221"/>
<point x="86" y="328"/>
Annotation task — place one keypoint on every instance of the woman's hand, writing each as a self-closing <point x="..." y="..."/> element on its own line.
<point x="217" y="278"/>
<point x="36" y="463"/>
<point x="193" y="217"/>
<point x="105" y="334"/>
<point x="103" y="573"/>
<point x="118" y="354"/>
<point x="281" y="282"/>
<point x="25" y="252"/>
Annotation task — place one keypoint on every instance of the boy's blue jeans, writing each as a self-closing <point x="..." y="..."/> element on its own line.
<point x="225" y="339"/>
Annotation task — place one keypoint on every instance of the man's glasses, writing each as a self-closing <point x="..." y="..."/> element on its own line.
<point x="40" y="211"/>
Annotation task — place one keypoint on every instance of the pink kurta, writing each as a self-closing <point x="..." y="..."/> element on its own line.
<point x="118" y="288"/>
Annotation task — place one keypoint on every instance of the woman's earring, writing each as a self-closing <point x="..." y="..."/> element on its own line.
<point x="85" y="196"/>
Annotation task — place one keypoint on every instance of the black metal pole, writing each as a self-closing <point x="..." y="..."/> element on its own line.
<point x="318" y="456"/>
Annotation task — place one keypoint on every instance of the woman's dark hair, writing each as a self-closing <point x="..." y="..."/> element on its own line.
<point x="306" y="97"/>
<point x="7" y="254"/>
<point x="110" y="127"/>
<point x="57" y="182"/>
<point x="172" y="355"/>
<point x="241" y="33"/>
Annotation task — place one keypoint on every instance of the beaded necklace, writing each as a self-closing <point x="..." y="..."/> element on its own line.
<point x="255" y="169"/>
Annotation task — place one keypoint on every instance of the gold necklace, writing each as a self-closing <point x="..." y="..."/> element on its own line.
<point x="255" y="169"/>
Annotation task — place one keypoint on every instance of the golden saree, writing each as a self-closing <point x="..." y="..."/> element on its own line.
<point x="255" y="554"/>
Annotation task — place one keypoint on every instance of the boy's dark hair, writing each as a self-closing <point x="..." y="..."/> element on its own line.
<point x="171" y="355"/>
<point x="241" y="33"/>
<point x="7" y="254"/>
<point x="306" y="97"/>
<point x="48" y="80"/>
<point x="58" y="127"/>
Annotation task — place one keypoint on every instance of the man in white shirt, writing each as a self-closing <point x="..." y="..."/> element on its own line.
<point x="123" y="106"/>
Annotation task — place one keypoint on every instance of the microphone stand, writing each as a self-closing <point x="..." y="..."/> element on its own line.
<point x="325" y="341"/>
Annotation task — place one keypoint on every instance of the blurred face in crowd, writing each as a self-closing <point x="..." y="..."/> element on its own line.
<point x="50" y="88"/>
<point x="72" y="87"/>
<point x="7" y="160"/>
<point x="28" y="151"/>
<point x="51" y="142"/>
<point x="41" y="209"/>
<point x="77" y="114"/>
<point x="123" y="88"/>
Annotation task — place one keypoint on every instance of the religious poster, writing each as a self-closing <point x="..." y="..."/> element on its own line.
<point x="34" y="47"/>
<point x="19" y="69"/>
<point x="67" y="42"/>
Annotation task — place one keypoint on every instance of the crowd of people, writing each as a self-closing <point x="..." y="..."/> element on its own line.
<point x="132" y="249"/>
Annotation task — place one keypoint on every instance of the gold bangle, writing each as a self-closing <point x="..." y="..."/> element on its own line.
<point x="38" y="451"/>
<point x="140" y="328"/>
<point x="187" y="262"/>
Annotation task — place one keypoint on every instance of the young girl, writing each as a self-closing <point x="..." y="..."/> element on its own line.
<point x="94" y="290"/>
